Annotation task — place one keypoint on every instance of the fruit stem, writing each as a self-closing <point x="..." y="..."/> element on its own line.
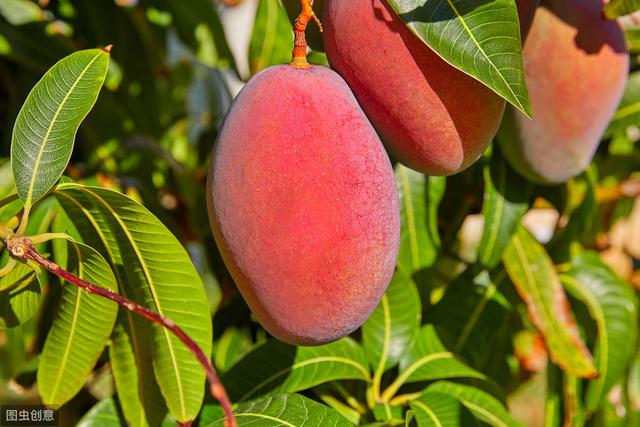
<point x="299" y="27"/>
<point x="21" y="248"/>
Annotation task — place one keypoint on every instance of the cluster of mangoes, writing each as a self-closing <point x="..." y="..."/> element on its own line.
<point x="302" y="197"/>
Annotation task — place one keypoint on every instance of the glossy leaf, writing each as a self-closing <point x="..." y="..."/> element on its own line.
<point x="428" y="359"/>
<point x="393" y="325"/>
<point x="419" y="200"/>
<point x="484" y="406"/>
<point x="613" y="305"/>
<point x="506" y="200"/>
<point x="616" y="8"/>
<point x="628" y="113"/>
<point x="79" y="333"/>
<point x="275" y="366"/>
<point x="272" y="38"/>
<point x="284" y="410"/>
<point x="153" y="268"/>
<point x="535" y="278"/>
<point x="103" y="414"/>
<point x="437" y="410"/>
<point x="481" y="39"/>
<point x="46" y="126"/>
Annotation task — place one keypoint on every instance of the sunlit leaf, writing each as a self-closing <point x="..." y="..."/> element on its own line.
<point x="46" y="126"/>
<point x="616" y="8"/>
<point x="275" y="366"/>
<point x="154" y="269"/>
<point x="535" y="278"/>
<point x="20" y="12"/>
<point x="272" y="38"/>
<point x="284" y="410"/>
<point x="80" y="330"/>
<point x="480" y="38"/>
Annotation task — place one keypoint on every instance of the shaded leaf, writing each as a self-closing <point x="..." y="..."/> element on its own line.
<point x="481" y="39"/>
<point x="46" y="126"/>
<point x="628" y="113"/>
<point x="275" y="366"/>
<point x="392" y="326"/>
<point x="535" y="278"/>
<point x="437" y="410"/>
<point x="613" y="305"/>
<point x="154" y="269"/>
<point x="103" y="414"/>
<point x="419" y="200"/>
<point x="20" y="298"/>
<point x="272" y="38"/>
<point x="484" y="406"/>
<point x="284" y="410"/>
<point x="506" y="200"/>
<point x="80" y="329"/>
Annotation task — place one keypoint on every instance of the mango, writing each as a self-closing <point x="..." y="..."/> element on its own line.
<point x="576" y="66"/>
<point x="303" y="204"/>
<point x="432" y="117"/>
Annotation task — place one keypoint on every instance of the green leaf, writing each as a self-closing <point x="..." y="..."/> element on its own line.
<point x="153" y="269"/>
<point x="46" y="126"/>
<point x="103" y="414"/>
<point x="20" y="298"/>
<point x="427" y="360"/>
<point x="506" y="200"/>
<point x="275" y="366"/>
<point x="535" y="278"/>
<point x="482" y="39"/>
<point x="272" y="38"/>
<point x="419" y="200"/>
<point x="130" y="355"/>
<point x="437" y="410"/>
<point x="231" y="347"/>
<point x="20" y="12"/>
<point x="79" y="333"/>
<point x="613" y="305"/>
<point x="392" y="326"/>
<point x="616" y="8"/>
<point x="484" y="406"/>
<point x="628" y="113"/>
<point x="284" y="410"/>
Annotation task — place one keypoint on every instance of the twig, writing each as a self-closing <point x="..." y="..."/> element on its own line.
<point x="23" y="249"/>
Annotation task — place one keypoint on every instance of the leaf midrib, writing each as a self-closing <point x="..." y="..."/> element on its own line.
<point x="429" y="412"/>
<point x="51" y="125"/>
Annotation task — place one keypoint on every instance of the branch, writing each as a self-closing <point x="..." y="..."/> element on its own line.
<point x="22" y="249"/>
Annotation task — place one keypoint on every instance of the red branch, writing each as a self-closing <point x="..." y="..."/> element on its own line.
<point x="21" y="247"/>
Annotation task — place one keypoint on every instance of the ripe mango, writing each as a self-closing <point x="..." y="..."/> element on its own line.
<point x="576" y="66"/>
<point x="432" y="117"/>
<point x="303" y="204"/>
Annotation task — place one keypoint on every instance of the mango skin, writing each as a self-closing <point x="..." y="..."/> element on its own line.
<point x="576" y="66"/>
<point x="303" y="205"/>
<point x="432" y="117"/>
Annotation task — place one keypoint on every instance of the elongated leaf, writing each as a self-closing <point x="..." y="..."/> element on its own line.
<point x="20" y="298"/>
<point x="481" y="39"/>
<point x="275" y="366"/>
<point x="428" y="359"/>
<point x="46" y="126"/>
<point x="272" y="38"/>
<point x="153" y="268"/>
<point x="616" y="8"/>
<point x="628" y="113"/>
<point x="20" y="12"/>
<point x="533" y="273"/>
<point x="284" y="410"/>
<point x="484" y="406"/>
<point x="103" y="414"/>
<point x="419" y="200"/>
<point x="506" y="199"/>
<point x="80" y="330"/>
<point x="614" y="306"/>
<point x="472" y="318"/>
<point x="131" y="360"/>
<point x="231" y="347"/>
<point x="437" y="410"/>
<point x="393" y="325"/>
